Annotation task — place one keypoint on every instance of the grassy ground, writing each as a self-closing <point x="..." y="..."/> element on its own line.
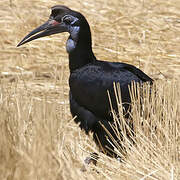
<point x="39" y="139"/>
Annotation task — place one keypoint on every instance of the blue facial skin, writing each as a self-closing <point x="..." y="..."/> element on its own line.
<point x="72" y="41"/>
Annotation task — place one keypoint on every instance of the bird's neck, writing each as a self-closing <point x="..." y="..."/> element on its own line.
<point x="79" y="48"/>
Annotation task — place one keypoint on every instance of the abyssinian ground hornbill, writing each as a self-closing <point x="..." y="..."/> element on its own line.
<point x="90" y="79"/>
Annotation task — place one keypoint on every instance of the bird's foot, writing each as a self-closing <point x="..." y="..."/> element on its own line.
<point x="90" y="159"/>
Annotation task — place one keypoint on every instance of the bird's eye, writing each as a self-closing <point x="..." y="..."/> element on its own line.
<point x="67" y="19"/>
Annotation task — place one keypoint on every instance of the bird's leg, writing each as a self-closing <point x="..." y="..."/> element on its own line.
<point x="90" y="159"/>
<point x="87" y="120"/>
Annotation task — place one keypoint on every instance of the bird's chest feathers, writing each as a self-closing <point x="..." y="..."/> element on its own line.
<point x="88" y="81"/>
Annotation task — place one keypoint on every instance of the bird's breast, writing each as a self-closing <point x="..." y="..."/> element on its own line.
<point x="89" y="87"/>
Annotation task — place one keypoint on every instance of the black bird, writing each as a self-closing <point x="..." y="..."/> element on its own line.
<point x="90" y="79"/>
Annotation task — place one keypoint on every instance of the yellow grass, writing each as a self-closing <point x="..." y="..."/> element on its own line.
<point x="39" y="139"/>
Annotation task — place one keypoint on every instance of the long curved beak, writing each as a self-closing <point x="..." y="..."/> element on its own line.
<point x="50" y="27"/>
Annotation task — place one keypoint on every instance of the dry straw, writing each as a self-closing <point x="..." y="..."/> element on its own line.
<point x="39" y="139"/>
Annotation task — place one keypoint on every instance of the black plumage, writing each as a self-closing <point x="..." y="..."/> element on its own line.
<point x="90" y="79"/>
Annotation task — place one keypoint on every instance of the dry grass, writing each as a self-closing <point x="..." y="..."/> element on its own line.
<point x="39" y="139"/>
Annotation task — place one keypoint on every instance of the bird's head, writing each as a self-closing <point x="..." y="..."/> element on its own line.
<point x="62" y="19"/>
